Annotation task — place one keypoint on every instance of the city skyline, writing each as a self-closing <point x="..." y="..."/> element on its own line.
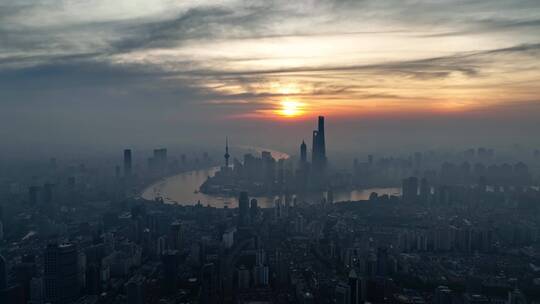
<point x="269" y="151"/>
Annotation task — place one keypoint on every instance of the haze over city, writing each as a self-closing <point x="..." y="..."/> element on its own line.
<point x="269" y="152"/>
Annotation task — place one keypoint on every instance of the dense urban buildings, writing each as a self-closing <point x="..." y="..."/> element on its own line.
<point x="434" y="227"/>
<point x="269" y="152"/>
<point x="265" y="175"/>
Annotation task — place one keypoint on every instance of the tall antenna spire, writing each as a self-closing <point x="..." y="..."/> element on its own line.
<point x="227" y="155"/>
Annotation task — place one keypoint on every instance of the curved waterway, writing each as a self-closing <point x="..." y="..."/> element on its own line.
<point x="183" y="189"/>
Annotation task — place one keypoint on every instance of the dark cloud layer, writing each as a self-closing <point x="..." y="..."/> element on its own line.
<point x="73" y="75"/>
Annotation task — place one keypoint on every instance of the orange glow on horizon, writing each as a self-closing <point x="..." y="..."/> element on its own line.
<point x="290" y="109"/>
<point x="305" y="108"/>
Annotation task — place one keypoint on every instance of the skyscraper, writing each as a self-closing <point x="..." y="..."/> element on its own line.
<point x="170" y="261"/>
<point x="319" y="146"/>
<point x="354" y="287"/>
<point x="319" y="154"/>
<point x="3" y="273"/>
<point x="254" y="209"/>
<point x="243" y="206"/>
<point x="61" y="273"/>
<point x="175" y="236"/>
<point x="314" y="148"/>
<point x="321" y="139"/>
<point x="303" y="153"/>
<point x="343" y="294"/>
<point x="160" y="158"/>
<point x="127" y="162"/>
<point x="410" y="189"/>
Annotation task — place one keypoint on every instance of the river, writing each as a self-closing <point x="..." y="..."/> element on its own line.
<point x="183" y="189"/>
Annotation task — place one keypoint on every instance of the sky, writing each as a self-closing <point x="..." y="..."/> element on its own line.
<point x="99" y="74"/>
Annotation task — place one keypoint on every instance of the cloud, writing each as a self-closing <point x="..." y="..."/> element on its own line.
<point x="467" y="63"/>
<point x="161" y="61"/>
<point x="195" y="23"/>
<point x="498" y="25"/>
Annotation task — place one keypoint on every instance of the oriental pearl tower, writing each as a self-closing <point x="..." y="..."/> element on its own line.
<point x="227" y="155"/>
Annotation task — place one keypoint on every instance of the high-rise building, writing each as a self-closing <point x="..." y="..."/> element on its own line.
<point x="135" y="290"/>
<point x="314" y="148"/>
<point x="227" y="155"/>
<point x="93" y="281"/>
<point x="330" y="196"/>
<point x="303" y="153"/>
<point x="209" y="284"/>
<point x="228" y="237"/>
<point x="3" y="273"/>
<point x="260" y="275"/>
<point x="321" y="138"/>
<point x="175" y="236"/>
<point x="319" y="145"/>
<point x="254" y="209"/>
<point x="24" y="272"/>
<point x="244" y="277"/>
<point x="303" y="169"/>
<point x="442" y="295"/>
<point x="160" y="158"/>
<point x="61" y="284"/>
<point x="36" y="290"/>
<point x="354" y="287"/>
<point x="243" y="209"/>
<point x="127" y="162"/>
<point x="318" y="155"/>
<point x="170" y="270"/>
<point x="410" y="189"/>
<point x="343" y="294"/>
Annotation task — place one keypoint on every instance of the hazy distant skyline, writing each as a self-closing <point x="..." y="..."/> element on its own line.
<point x="127" y="72"/>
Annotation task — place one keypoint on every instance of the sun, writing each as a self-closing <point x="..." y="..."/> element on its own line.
<point x="290" y="108"/>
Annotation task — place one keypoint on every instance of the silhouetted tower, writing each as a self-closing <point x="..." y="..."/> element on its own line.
<point x="303" y="153"/>
<point x="314" y="147"/>
<point x="127" y="162"/>
<point x="319" y="146"/>
<point x="318" y="155"/>
<point x="321" y="139"/>
<point x="227" y="155"/>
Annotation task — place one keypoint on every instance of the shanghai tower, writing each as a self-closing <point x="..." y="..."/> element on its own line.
<point x="319" y="149"/>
